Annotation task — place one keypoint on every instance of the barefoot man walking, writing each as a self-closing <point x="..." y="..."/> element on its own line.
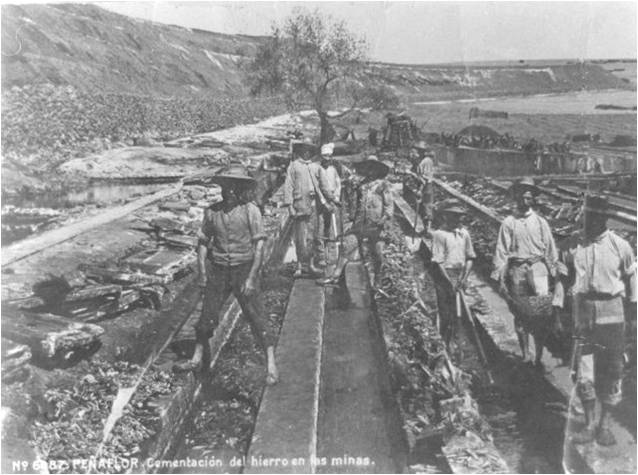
<point x="524" y="258"/>
<point x="230" y="253"/>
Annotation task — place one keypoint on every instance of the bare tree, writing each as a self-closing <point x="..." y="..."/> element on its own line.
<point x="310" y="59"/>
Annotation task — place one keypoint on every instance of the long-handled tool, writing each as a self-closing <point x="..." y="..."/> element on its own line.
<point x="477" y="338"/>
<point x="461" y="304"/>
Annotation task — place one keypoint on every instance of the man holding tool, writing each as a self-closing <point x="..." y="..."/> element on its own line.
<point x="330" y="184"/>
<point x="453" y="252"/>
<point x="373" y="212"/>
<point x="603" y="269"/>
<point x="524" y="258"/>
<point x="303" y="196"/>
<point x="230" y="253"/>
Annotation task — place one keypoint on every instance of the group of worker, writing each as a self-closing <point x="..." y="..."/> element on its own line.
<point x="593" y="273"/>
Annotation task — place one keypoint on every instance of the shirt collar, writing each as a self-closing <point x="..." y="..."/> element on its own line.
<point x="584" y="240"/>
<point x="524" y="215"/>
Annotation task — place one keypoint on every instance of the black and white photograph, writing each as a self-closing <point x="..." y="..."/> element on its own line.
<point x="318" y="237"/>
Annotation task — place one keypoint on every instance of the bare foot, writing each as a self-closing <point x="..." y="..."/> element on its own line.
<point x="273" y="376"/>
<point x="186" y="366"/>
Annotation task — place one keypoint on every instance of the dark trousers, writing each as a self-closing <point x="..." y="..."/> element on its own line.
<point x="605" y="342"/>
<point x="222" y="281"/>
<point x="306" y="236"/>
<point x="446" y="303"/>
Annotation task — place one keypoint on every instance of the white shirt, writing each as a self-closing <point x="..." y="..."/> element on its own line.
<point x="452" y="249"/>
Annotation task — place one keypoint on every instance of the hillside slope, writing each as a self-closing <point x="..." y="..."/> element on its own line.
<point x="77" y="80"/>
<point x="92" y="48"/>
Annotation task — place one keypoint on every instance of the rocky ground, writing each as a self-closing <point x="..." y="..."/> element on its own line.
<point x="45" y="125"/>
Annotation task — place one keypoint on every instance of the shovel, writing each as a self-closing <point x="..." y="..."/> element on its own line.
<point x="461" y="305"/>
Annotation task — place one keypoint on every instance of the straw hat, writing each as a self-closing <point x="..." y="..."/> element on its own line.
<point x="300" y="147"/>
<point x="374" y="166"/>
<point x="450" y="207"/>
<point x="234" y="175"/>
<point x="524" y="185"/>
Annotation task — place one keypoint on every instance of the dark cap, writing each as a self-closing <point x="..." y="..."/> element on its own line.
<point x="596" y="204"/>
<point x="299" y="148"/>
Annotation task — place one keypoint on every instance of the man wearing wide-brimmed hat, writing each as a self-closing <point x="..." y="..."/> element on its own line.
<point x="373" y="212"/>
<point x="524" y="258"/>
<point x="303" y="195"/>
<point x="453" y="251"/>
<point x="601" y="268"/>
<point x="230" y="252"/>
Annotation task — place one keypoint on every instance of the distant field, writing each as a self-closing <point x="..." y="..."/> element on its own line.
<point x="545" y="127"/>
<point x="565" y="103"/>
<point x="624" y="70"/>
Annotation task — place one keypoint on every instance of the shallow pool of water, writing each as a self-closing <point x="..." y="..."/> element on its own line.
<point x="95" y="194"/>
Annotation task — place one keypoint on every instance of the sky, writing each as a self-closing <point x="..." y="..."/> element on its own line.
<point x="431" y="32"/>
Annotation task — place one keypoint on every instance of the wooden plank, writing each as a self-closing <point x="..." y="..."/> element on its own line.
<point x="47" y="334"/>
<point x="466" y="199"/>
<point x="121" y="277"/>
<point x="28" y="247"/>
<point x="287" y="420"/>
<point x="352" y="403"/>
<point x="93" y="292"/>
<point x="407" y="212"/>
<point x="15" y="357"/>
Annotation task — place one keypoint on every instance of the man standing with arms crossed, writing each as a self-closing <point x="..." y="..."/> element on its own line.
<point x="524" y="258"/>
<point x="230" y="253"/>
<point x="603" y="269"/>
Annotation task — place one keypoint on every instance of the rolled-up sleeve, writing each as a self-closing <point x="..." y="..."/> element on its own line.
<point x="205" y="233"/>
<point x="289" y="184"/>
<point x="469" y="248"/>
<point x="256" y="224"/>
<point x="501" y="253"/>
<point x="551" y="252"/>
<point x="628" y="268"/>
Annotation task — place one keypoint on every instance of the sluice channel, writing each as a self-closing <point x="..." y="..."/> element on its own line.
<point x="366" y="383"/>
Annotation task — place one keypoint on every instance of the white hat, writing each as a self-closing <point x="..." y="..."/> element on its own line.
<point x="327" y="149"/>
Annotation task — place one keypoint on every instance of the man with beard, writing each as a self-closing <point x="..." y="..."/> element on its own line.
<point x="524" y="258"/>
<point x="601" y="268"/>
<point x="230" y="253"/>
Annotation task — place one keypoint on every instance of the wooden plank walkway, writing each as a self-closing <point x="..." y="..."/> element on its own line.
<point x="353" y="437"/>
<point x="286" y="427"/>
